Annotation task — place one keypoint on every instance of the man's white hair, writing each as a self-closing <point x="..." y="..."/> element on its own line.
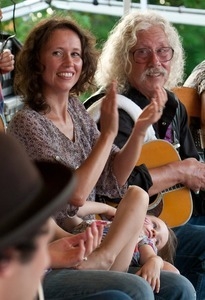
<point x="114" y="62"/>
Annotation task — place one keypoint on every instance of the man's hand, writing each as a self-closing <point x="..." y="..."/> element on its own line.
<point x="6" y="61"/>
<point x="152" y="112"/>
<point x="192" y="173"/>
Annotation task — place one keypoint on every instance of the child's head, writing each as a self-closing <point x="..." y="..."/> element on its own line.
<point x="163" y="236"/>
<point x="156" y="230"/>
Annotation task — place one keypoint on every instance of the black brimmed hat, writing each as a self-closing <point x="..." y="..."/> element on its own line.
<point x="30" y="192"/>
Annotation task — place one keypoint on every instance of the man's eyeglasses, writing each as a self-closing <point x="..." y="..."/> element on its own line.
<point x="142" y="55"/>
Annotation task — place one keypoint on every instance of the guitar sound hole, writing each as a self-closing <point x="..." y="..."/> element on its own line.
<point x="156" y="211"/>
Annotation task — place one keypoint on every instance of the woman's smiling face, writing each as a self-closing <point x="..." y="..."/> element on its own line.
<point x="62" y="60"/>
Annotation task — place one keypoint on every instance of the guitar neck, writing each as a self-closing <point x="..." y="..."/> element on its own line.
<point x="202" y="137"/>
<point x="198" y="135"/>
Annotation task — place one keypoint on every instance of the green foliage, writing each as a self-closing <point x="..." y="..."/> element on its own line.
<point x="193" y="42"/>
<point x="99" y="25"/>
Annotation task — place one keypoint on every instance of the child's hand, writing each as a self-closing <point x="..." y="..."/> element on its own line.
<point x="150" y="271"/>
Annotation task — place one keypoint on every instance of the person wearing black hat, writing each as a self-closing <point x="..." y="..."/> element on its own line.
<point x="30" y="194"/>
<point x="28" y="199"/>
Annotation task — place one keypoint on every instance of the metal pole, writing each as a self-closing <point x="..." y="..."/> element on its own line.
<point x="126" y="6"/>
<point x="143" y="4"/>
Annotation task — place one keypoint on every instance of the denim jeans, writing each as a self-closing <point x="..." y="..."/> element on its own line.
<point x="69" y="284"/>
<point x="111" y="295"/>
<point x="190" y="258"/>
<point x="173" y="287"/>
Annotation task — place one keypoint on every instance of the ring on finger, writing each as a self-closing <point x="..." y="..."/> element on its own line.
<point x="161" y="109"/>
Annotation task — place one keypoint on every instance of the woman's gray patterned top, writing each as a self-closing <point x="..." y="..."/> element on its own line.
<point x="44" y="141"/>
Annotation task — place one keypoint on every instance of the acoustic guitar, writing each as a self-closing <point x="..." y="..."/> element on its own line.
<point x="173" y="205"/>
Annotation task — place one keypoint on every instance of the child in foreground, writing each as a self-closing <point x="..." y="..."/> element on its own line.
<point x="154" y="247"/>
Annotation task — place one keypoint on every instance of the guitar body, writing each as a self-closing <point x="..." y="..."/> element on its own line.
<point x="173" y="205"/>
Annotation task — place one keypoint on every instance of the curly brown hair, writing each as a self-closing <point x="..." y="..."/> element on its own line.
<point x="28" y="69"/>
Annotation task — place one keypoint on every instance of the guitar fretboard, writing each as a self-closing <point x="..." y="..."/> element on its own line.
<point x="175" y="187"/>
<point x="198" y="136"/>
